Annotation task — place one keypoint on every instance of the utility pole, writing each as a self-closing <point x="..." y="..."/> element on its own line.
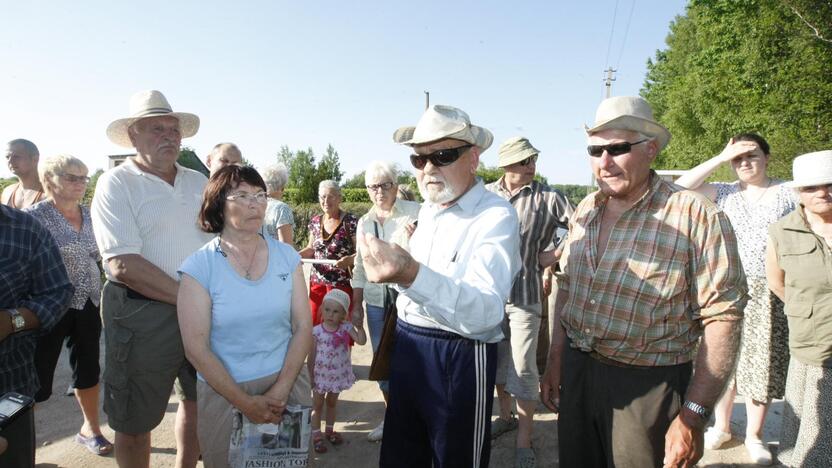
<point x="427" y="99"/>
<point x="609" y="79"/>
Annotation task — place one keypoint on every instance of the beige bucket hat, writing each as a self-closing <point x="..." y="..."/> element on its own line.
<point x="514" y="150"/>
<point x="339" y="297"/>
<point x="812" y="169"/>
<point x="629" y="113"/>
<point x="146" y="104"/>
<point x="439" y="122"/>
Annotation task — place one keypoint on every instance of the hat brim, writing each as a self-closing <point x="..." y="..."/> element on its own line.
<point x="823" y="180"/>
<point x="635" y="124"/>
<point x="477" y="136"/>
<point x="517" y="157"/>
<point x="117" y="131"/>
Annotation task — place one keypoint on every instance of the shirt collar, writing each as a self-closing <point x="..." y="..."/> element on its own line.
<point x="131" y="166"/>
<point x="797" y="222"/>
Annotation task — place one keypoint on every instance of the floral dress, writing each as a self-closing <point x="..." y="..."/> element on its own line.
<point x="764" y="350"/>
<point x="336" y="245"/>
<point x="333" y="363"/>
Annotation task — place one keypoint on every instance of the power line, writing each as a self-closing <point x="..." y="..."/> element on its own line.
<point x="612" y="30"/>
<point x="626" y="32"/>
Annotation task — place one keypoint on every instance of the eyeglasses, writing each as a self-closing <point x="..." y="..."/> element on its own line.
<point x="443" y="157"/>
<point x="377" y="187"/>
<point x="259" y="197"/>
<point x="529" y="160"/>
<point x="75" y="178"/>
<point x="614" y="149"/>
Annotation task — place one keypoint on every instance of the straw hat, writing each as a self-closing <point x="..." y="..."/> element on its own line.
<point x="812" y="169"/>
<point x="146" y="104"/>
<point x="628" y="113"/>
<point x="514" y="150"/>
<point x="439" y="122"/>
<point x="339" y="297"/>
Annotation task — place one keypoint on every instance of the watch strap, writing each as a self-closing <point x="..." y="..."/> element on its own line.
<point x="18" y="322"/>
<point x="697" y="409"/>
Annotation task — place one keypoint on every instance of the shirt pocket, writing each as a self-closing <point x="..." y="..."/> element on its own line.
<point x="802" y="263"/>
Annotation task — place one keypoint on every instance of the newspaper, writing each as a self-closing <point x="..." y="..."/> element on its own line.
<point x="271" y="445"/>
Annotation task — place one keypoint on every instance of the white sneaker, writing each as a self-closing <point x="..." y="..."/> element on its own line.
<point x="758" y="451"/>
<point x="714" y="438"/>
<point x="376" y="434"/>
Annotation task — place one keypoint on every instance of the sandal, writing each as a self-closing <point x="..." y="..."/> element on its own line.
<point x="96" y="444"/>
<point x="334" y="438"/>
<point x="318" y="443"/>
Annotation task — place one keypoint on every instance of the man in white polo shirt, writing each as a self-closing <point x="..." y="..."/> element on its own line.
<point x="144" y="215"/>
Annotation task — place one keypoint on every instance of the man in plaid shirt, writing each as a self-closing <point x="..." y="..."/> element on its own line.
<point x="649" y="268"/>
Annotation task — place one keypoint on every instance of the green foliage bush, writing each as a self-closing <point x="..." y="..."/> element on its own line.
<point x="355" y="195"/>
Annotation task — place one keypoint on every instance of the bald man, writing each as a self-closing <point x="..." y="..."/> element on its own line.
<point x="224" y="154"/>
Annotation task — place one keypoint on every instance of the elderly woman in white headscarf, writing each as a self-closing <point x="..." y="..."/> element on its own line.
<point x="279" y="222"/>
<point x="390" y="219"/>
<point x="799" y="271"/>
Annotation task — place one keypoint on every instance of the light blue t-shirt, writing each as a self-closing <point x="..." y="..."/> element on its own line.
<point x="251" y="322"/>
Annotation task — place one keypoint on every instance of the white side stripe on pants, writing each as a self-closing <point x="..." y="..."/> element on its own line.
<point x="480" y="414"/>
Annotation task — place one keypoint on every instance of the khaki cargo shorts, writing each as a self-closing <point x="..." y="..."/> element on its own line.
<point x="144" y="355"/>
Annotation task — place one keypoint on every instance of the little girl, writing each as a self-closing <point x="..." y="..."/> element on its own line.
<point x="330" y="366"/>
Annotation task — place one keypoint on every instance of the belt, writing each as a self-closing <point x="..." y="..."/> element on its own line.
<point x="610" y="362"/>
<point x="131" y="293"/>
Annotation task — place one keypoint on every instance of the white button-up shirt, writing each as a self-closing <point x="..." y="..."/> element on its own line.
<point x="134" y="212"/>
<point x="469" y="255"/>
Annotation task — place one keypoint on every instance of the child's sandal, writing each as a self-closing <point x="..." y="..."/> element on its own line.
<point x="318" y="443"/>
<point x="334" y="438"/>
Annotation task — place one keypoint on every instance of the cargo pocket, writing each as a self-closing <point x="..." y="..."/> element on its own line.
<point x="117" y="393"/>
<point x="801" y="327"/>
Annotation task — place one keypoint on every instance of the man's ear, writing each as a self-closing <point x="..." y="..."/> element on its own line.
<point x="652" y="149"/>
<point x="475" y="159"/>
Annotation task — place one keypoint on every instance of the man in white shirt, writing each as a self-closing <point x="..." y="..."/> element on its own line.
<point x="453" y="285"/>
<point x="144" y="213"/>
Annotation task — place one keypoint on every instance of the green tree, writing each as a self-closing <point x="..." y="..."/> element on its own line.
<point x="355" y="182"/>
<point x="91" y="187"/>
<point x="329" y="167"/>
<point x="734" y="66"/>
<point x="305" y="173"/>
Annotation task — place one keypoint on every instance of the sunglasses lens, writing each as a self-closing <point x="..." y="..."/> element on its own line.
<point x="445" y="157"/>
<point x="619" y="149"/>
<point x="595" y="150"/>
<point x="418" y="161"/>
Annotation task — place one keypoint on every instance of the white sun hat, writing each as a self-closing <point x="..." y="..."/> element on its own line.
<point x="146" y="104"/>
<point x="812" y="169"/>
<point x="629" y="113"/>
<point x="439" y="122"/>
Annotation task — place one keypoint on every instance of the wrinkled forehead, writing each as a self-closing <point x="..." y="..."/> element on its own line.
<point x="611" y="135"/>
<point x="147" y="123"/>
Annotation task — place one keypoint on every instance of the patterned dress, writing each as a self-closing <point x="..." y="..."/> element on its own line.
<point x="764" y="349"/>
<point x="333" y="362"/>
<point x="334" y="246"/>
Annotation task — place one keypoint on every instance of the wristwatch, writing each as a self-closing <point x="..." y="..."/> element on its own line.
<point x="698" y="409"/>
<point x="18" y="322"/>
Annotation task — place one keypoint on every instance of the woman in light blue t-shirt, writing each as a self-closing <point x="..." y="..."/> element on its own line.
<point x="244" y="314"/>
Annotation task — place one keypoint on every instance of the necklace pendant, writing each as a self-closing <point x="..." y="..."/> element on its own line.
<point x="248" y="275"/>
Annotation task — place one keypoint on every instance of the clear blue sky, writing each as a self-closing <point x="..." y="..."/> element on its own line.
<point x="305" y="74"/>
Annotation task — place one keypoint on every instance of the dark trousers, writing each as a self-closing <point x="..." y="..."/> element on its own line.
<point x="441" y="391"/>
<point x="21" y="438"/>
<point x="615" y="415"/>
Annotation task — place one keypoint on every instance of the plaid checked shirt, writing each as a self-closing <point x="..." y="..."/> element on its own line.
<point x="32" y="275"/>
<point x="671" y="265"/>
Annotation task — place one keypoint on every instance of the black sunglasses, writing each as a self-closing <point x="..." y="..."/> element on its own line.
<point x="529" y="160"/>
<point x="444" y="157"/>
<point x="614" y="149"/>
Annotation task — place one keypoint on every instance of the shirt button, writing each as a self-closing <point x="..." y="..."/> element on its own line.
<point x="587" y="330"/>
<point x="592" y="301"/>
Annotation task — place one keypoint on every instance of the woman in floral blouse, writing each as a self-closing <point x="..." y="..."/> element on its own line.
<point x="64" y="179"/>
<point x="331" y="237"/>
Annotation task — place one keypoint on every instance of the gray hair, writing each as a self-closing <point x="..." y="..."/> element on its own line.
<point x="276" y="177"/>
<point x="381" y="170"/>
<point x="30" y="148"/>
<point x="50" y="168"/>
<point x="329" y="185"/>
